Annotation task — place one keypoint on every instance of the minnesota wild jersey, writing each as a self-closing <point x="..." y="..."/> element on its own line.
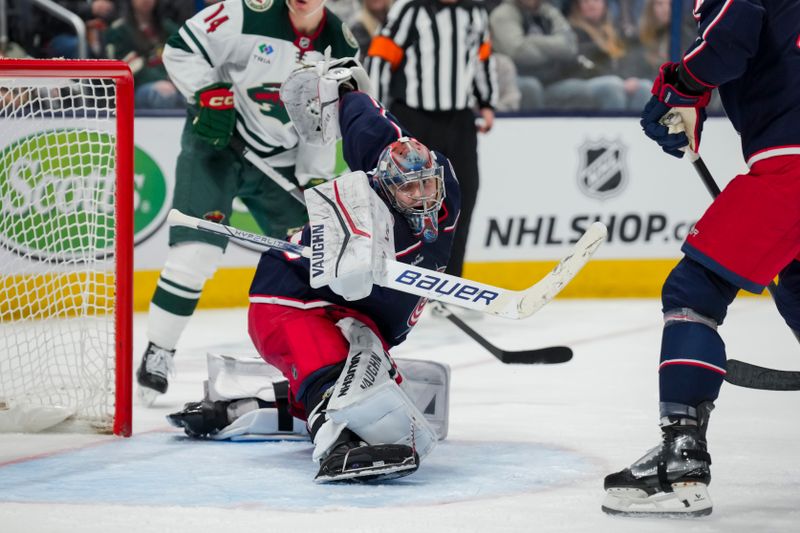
<point x="253" y="45"/>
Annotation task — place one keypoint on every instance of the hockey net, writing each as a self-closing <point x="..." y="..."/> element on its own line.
<point x="66" y="209"/>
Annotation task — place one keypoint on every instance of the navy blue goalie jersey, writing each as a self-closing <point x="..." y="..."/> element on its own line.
<point x="367" y="128"/>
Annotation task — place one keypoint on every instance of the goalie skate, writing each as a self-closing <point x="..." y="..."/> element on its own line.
<point x="354" y="461"/>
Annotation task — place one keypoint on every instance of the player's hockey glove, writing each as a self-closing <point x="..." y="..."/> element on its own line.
<point x="216" y="117"/>
<point x="675" y="113"/>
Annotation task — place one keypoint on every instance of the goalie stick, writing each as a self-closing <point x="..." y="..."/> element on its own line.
<point x="437" y="285"/>
<point x="549" y="355"/>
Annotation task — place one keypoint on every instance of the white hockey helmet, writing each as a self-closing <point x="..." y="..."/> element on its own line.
<point x="412" y="180"/>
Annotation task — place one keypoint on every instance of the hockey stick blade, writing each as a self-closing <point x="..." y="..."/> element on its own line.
<point x="537" y="296"/>
<point x="752" y="376"/>
<point x="550" y="355"/>
<point x="544" y="356"/>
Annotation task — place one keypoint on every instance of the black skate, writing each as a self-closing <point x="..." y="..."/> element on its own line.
<point x="357" y="461"/>
<point x="671" y="479"/>
<point x="153" y="373"/>
<point x="201" y="419"/>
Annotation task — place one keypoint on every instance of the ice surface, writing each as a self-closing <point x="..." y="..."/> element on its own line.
<point x="527" y="450"/>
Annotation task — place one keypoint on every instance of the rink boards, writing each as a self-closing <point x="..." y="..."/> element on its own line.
<point x="543" y="181"/>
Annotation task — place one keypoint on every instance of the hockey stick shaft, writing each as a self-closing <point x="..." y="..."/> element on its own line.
<point x="548" y="355"/>
<point x="436" y="285"/>
<point x="282" y="181"/>
<point x="176" y="218"/>
<point x="757" y="377"/>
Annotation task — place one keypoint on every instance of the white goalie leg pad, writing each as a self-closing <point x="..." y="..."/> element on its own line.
<point x="237" y="376"/>
<point x="427" y="383"/>
<point x="241" y="378"/>
<point x="352" y="235"/>
<point x="367" y="400"/>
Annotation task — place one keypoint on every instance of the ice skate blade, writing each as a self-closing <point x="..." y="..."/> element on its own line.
<point x="687" y="500"/>
<point x="147" y="396"/>
<point x="371" y="473"/>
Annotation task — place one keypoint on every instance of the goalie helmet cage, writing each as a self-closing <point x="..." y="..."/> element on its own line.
<point x="66" y="244"/>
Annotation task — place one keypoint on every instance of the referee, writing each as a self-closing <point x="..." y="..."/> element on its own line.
<point x="431" y="64"/>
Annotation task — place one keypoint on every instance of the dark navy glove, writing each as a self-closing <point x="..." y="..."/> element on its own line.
<point x="674" y="117"/>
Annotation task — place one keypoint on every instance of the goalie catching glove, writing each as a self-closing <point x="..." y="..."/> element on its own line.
<point x="675" y="92"/>
<point x="216" y="116"/>
<point x="311" y="96"/>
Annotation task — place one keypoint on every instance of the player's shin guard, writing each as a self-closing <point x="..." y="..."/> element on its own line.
<point x="692" y="358"/>
<point x="186" y="270"/>
<point x="177" y="292"/>
<point x="672" y="478"/>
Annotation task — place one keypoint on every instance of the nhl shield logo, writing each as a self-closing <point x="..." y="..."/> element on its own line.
<point x="602" y="173"/>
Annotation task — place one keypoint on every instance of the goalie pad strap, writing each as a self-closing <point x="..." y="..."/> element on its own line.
<point x="285" y="419"/>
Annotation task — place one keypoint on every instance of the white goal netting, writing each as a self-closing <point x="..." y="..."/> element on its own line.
<point x="57" y="266"/>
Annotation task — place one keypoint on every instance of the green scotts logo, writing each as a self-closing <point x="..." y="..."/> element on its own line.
<point x="149" y="196"/>
<point x="56" y="196"/>
<point x="267" y="97"/>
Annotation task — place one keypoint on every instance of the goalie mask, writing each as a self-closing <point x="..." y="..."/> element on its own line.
<point x="413" y="182"/>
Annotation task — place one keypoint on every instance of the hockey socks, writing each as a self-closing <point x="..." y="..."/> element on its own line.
<point x="692" y="358"/>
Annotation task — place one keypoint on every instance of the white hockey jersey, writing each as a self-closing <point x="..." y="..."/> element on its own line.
<point x="253" y="45"/>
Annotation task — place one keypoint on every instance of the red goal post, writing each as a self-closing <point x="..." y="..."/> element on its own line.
<point x="66" y="243"/>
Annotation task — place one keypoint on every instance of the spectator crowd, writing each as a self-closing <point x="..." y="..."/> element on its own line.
<point x="549" y="54"/>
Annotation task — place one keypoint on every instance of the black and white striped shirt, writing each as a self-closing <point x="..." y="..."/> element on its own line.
<point x="434" y="56"/>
